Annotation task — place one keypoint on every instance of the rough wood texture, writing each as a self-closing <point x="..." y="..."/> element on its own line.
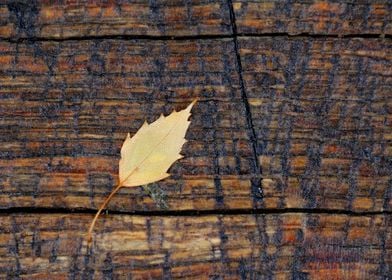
<point x="66" y="108"/>
<point x="313" y="17"/>
<point x="281" y="123"/>
<point x="322" y="112"/>
<point x="289" y="246"/>
<point x="65" y="19"/>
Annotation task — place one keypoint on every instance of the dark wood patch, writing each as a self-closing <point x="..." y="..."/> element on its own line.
<point x="314" y="17"/>
<point x="321" y="109"/>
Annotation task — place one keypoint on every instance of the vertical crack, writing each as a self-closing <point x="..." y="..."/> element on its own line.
<point x="256" y="190"/>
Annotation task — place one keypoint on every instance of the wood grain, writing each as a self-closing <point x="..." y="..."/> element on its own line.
<point x="320" y="109"/>
<point x="279" y="246"/>
<point x="322" y="112"/>
<point x="314" y="17"/>
<point x="66" y="108"/>
<point x="67" y="19"/>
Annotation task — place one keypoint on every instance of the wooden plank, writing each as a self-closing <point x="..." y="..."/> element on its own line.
<point x="322" y="112"/>
<point x="67" y="19"/>
<point x="66" y="108"/>
<point x="282" y="246"/>
<point x="313" y="17"/>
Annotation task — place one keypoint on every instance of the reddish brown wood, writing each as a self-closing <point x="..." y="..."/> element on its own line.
<point x="66" y="108"/>
<point x="314" y="17"/>
<point x="289" y="246"/>
<point x="67" y="19"/>
<point x="322" y="112"/>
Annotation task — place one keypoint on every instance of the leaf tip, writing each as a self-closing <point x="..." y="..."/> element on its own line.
<point x="189" y="108"/>
<point x="194" y="102"/>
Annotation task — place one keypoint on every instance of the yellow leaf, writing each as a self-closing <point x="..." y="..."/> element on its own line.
<point x="146" y="157"/>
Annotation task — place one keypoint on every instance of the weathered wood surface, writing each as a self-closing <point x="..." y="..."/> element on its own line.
<point x="66" y="108"/>
<point x="314" y="17"/>
<point x="320" y="110"/>
<point x="289" y="246"/>
<point x="322" y="113"/>
<point x="67" y="19"/>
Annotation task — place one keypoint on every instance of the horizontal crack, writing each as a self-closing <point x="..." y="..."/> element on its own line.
<point x="191" y="37"/>
<point x="46" y="210"/>
<point x="117" y="37"/>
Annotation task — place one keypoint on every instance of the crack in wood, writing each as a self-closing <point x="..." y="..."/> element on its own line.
<point x="191" y="37"/>
<point x="168" y="213"/>
<point x="256" y="189"/>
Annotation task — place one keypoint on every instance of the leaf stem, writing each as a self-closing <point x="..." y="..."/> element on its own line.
<point x="107" y="200"/>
